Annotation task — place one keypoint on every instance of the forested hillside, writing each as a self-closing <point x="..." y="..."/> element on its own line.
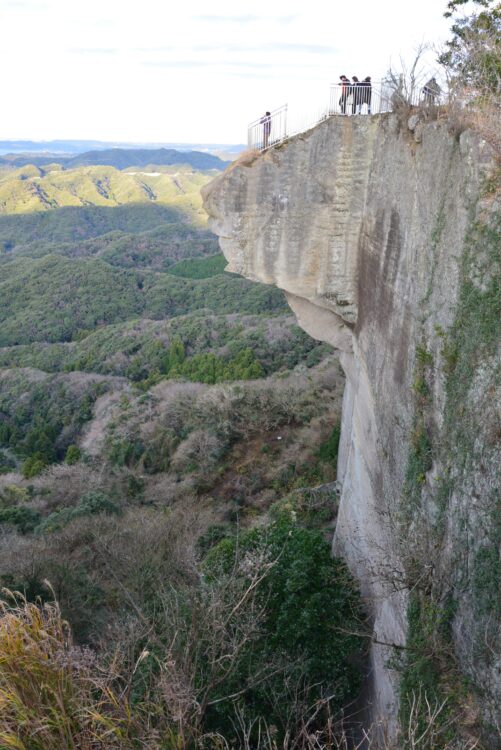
<point x="114" y="273"/>
<point x="161" y="425"/>
<point x="32" y="188"/>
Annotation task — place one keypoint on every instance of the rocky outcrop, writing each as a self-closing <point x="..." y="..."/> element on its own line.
<point x="367" y="229"/>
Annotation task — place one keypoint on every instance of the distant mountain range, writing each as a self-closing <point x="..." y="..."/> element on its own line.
<point x="70" y="148"/>
<point x="120" y="159"/>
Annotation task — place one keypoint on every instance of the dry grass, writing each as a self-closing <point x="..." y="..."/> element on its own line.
<point x="482" y="115"/>
<point x="62" y="485"/>
<point x="245" y="159"/>
<point x="50" y="697"/>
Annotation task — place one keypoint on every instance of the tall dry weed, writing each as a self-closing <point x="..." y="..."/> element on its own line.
<point x="482" y="115"/>
<point x="51" y="696"/>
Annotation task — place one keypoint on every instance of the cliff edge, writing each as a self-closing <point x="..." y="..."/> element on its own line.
<point x="386" y="243"/>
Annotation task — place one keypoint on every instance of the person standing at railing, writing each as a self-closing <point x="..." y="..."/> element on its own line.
<point x="265" y="121"/>
<point x="431" y="91"/>
<point x="365" y="94"/>
<point x="355" y="95"/>
<point x="345" y="87"/>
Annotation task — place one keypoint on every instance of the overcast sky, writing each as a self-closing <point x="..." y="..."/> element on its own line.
<point x="192" y="70"/>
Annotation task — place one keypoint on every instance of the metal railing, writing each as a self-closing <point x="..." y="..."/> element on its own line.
<point x="271" y="128"/>
<point x="360" y="99"/>
<point x="344" y="99"/>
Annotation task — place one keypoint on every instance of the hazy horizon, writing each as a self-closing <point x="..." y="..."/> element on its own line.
<point x="104" y="71"/>
<point x="63" y="146"/>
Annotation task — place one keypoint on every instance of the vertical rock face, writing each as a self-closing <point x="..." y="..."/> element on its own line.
<point x="367" y="232"/>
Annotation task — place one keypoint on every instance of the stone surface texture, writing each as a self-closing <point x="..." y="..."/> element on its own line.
<point x="364" y="229"/>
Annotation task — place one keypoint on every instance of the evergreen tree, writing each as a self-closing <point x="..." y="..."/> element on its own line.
<point x="473" y="55"/>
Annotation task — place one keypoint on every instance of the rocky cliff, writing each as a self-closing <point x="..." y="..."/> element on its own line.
<point x="385" y="240"/>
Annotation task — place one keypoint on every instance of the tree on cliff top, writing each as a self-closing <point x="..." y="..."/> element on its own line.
<point x="473" y="55"/>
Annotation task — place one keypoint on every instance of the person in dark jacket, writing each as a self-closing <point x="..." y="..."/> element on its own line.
<point x="431" y="91"/>
<point x="365" y="94"/>
<point x="355" y="95"/>
<point x="345" y="86"/>
<point x="266" y="123"/>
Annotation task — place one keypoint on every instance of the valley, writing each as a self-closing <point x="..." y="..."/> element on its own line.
<point x="156" y="411"/>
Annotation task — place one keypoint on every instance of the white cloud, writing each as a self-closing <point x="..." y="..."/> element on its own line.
<point x="123" y="70"/>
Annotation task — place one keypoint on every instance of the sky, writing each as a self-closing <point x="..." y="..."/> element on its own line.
<point x="192" y="70"/>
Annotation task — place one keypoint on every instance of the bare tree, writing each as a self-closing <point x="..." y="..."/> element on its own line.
<point x="407" y="81"/>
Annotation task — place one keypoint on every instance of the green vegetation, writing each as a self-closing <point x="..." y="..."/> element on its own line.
<point x="473" y="54"/>
<point x="169" y="295"/>
<point x="157" y="249"/>
<point x="476" y="330"/>
<point x="200" y="368"/>
<point x="92" y="503"/>
<point x="138" y="349"/>
<point x="421" y="451"/>
<point x="115" y="157"/>
<point x="199" y="268"/>
<point x="487" y="568"/>
<point x="89" y="293"/>
<point x="238" y="660"/>
<point x="228" y="414"/>
<point x="428" y="669"/>
<point x="117" y="217"/>
<point x="11" y="495"/>
<point x="92" y="293"/>
<point x="25" y="519"/>
<point x="473" y="340"/>
<point x="328" y="451"/>
<point x="7" y="462"/>
<point x="314" y="508"/>
<point x="47" y="699"/>
<point x="149" y="420"/>
<point x="38" y="232"/>
<point x="30" y="189"/>
<point x="124" y="157"/>
<point x="463" y="455"/>
<point x="73" y="454"/>
<point x="101" y="262"/>
<point x="208" y="368"/>
<point x="43" y="415"/>
<point x="176" y="450"/>
<point x="312" y="633"/>
<point x="37" y="462"/>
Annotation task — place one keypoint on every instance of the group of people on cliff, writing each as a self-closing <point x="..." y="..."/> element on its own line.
<point x="360" y="93"/>
<point x="357" y="94"/>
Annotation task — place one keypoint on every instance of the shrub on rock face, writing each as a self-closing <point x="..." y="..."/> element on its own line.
<point x="329" y="449"/>
<point x="310" y="610"/>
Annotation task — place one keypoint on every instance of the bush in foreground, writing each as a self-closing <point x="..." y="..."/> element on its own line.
<point x="259" y="635"/>
<point x="50" y="695"/>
